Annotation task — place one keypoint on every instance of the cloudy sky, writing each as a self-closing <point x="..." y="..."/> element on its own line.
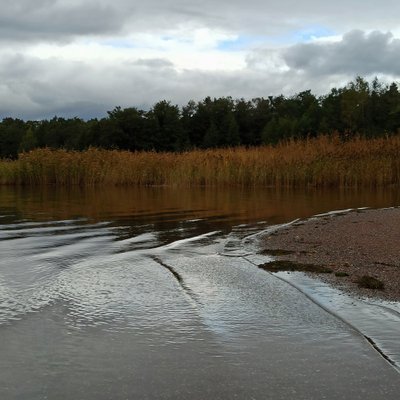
<point x="84" y="57"/>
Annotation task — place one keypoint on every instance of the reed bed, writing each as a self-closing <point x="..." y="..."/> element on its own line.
<point x="321" y="162"/>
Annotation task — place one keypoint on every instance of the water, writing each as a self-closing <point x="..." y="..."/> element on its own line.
<point x="143" y="294"/>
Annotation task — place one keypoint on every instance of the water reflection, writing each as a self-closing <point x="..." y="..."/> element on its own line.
<point x="161" y="205"/>
<point x="130" y="293"/>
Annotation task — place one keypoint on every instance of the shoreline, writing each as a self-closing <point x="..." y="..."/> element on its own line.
<point x="351" y="243"/>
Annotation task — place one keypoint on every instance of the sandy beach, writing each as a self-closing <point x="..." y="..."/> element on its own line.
<point x="355" y="243"/>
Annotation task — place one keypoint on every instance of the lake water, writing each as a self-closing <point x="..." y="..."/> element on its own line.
<point x="145" y="294"/>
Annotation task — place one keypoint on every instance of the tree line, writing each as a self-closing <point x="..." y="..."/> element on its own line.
<point x="368" y="109"/>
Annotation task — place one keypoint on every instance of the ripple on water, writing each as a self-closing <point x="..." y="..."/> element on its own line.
<point x="101" y="308"/>
<point x="82" y="267"/>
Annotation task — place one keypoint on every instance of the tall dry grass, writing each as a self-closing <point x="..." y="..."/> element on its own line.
<point x="320" y="162"/>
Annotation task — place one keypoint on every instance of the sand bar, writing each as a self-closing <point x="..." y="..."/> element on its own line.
<point x="358" y="243"/>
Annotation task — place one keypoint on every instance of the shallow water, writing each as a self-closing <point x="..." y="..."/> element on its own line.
<point x="144" y="294"/>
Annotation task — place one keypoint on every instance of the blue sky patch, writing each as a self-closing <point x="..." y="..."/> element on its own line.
<point x="119" y="44"/>
<point x="303" y="35"/>
<point x="307" y="34"/>
<point x="240" y="43"/>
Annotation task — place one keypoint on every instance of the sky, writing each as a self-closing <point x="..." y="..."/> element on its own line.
<point x="80" y="58"/>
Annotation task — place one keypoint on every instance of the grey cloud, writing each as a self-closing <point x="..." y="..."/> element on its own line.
<point x="55" y="87"/>
<point x="357" y="53"/>
<point x="36" y="88"/>
<point x="51" y="20"/>
<point x="266" y="17"/>
<point x="153" y="63"/>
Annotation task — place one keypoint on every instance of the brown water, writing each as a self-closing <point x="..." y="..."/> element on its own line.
<point x="143" y="294"/>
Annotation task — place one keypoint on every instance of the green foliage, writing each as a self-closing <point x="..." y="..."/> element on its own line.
<point x="286" y="265"/>
<point x="369" y="282"/>
<point x="341" y="274"/>
<point x="11" y="134"/>
<point x="131" y="125"/>
<point x="244" y="115"/>
<point x="212" y="137"/>
<point x="28" y="141"/>
<point x="107" y="134"/>
<point x="164" y="127"/>
<point x="360" y="108"/>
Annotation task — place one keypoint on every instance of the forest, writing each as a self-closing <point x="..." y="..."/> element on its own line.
<point x="359" y="109"/>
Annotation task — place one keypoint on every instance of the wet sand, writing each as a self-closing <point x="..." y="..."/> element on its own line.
<point x="358" y="243"/>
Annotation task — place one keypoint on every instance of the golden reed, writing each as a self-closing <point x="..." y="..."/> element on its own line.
<point x="321" y="162"/>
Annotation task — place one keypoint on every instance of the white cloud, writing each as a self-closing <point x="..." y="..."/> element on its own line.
<point x="187" y="49"/>
<point x="357" y="53"/>
<point x="76" y="57"/>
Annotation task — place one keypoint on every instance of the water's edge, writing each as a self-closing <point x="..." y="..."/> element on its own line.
<point x="378" y="321"/>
